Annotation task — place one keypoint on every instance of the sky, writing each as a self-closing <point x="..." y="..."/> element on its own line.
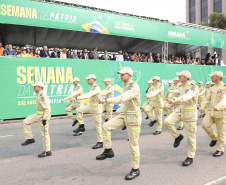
<point x="172" y="10"/>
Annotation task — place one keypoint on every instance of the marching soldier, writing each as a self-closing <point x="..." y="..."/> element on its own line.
<point x="131" y="117"/>
<point x="150" y="83"/>
<point x="42" y="116"/>
<point x="207" y="91"/>
<point x="187" y="112"/>
<point x="93" y="108"/>
<point x="156" y="104"/>
<point x="168" y="109"/>
<point x="78" y="91"/>
<point x="175" y="94"/>
<point x="108" y="93"/>
<point x="201" y="97"/>
<point x="216" y="113"/>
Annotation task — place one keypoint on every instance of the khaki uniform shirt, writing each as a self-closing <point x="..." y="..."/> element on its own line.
<point x="188" y="99"/>
<point x="169" y="93"/>
<point x="94" y="95"/>
<point x="131" y="103"/>
<point x="201" y="92"/>
<point x="156" y="96"/>
<point x="78" y="91"/>
<point x="43" y="106"/>
<point x="216" y="98"/>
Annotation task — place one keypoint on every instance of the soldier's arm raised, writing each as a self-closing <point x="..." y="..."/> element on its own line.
<point x="127" y="95"/>
<point x="189" y="95"/>
<point x="154" y="93"/>
<point x="89" y="94"/>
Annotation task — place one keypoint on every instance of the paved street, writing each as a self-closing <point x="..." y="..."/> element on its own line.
<point x="73" y="160"/>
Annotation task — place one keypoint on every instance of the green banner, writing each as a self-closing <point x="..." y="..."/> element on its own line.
<point x="49" y="15"/>
<point x="17" y="74"/>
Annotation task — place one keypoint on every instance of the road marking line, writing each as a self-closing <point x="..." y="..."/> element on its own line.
<point x="216" y="181"/>
<point x="7" y="136"/>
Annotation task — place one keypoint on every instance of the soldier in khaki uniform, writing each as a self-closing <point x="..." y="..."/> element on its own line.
<point x="187" y="112"/>
<point x="42" y="116"/>
<point x="168" y="109"/>
<point x="108" y="93"/>
<point x="78" y="91"/>
<point x="175" y="94"/>
<point x="201" y="97"/>
<point x="150" y="84"/>
<point x="216" y="113"/>
<point x="93" y="108"/>
<point x="209" y="84"/>
<point x="156" y="104"/>
<point x="130" y="117"/>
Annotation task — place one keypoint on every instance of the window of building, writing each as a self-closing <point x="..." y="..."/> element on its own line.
<point x="218" y="6"/>
<point x="204" y="11"/>
<point x="192" y="11"/>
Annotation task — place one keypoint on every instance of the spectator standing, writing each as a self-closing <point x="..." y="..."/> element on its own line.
<point x="127" y="56"/>
<point x="94" y="54"/>
<point x="44" y="53"/>
<point x="119" y="57"/>
<point x="114" y="57"/>
<point x="75" y="55"/>
<point x="63" y="54"/>
<point x="157" y="59"/>
<point x="25" y="54"/>
<point x="69" y="54"/>
<point x="105" y="56"/>
<point x="139" y="57"/>
<point x="35" y="53"/>
<point x="150" y="58"/>
<point x="55" y="53"/>
<point x="9" y="51"/>
<point x="85" y="55"/>
<point x="1" y="50"/>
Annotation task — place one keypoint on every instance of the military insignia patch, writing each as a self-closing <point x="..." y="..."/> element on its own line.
<point x="186" y="90"/>
<point x="43" y="98"/>
<point x="129" y="88"/>
<point x="193" y="89"/>
<point x="219" y="91"/>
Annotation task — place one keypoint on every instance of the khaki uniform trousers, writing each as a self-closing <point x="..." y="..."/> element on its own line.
<point x="168" y="108"/>
<point x="119" y="110"/>
<point x="35" y="118"/>
<point x="69" y="110"/>
<point x="200" y="100"/>
<point x="190" y="128"/>
<point x="133" y="135"/>
<point x="207" y="122"/>
<point x="149" y="111"/>
<point x="108" y="107"/>
<point x="96" y="117"/>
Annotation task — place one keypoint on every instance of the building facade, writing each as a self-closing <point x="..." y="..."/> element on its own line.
<point x="198" y="11"/>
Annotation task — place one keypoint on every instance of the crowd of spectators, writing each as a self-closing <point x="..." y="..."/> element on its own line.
<point x="9" y="50"/>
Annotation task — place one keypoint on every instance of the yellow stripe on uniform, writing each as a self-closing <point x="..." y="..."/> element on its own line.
<point x="190" y="148"/>
<point x="106" y="135"/>
<point x="136" y="129"/>
<point x="27" y="132"/>
<point x="135" y="156"/>
<point x="224" y="144"/>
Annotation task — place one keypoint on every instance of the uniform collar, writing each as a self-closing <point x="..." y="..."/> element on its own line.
<point x="186" y="84"/>
<point x="127" y="83"/>
<point x="108" y="86"/>
<point x="94" y="84"/>
<point x="40" y="93"/>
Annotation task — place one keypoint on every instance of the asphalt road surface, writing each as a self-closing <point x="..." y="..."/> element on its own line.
<point x="74" y="161"/>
